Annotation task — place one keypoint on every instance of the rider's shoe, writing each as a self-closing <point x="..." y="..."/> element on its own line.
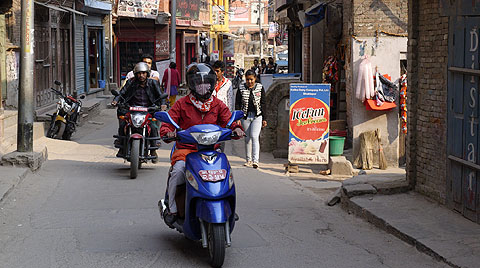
<point x="154" y="153"/>
<point x="170" y="218"/>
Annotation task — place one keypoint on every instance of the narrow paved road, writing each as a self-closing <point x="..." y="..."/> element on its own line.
<point x="82" y="210"/>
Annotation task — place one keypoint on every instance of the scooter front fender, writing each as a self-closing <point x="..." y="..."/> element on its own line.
<point x="213" y="211"/>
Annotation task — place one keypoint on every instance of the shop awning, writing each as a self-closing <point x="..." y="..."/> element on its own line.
<point x="97" y="6"/>
<point x="229" y="35"/>
<point x="312" y="15"/>
<point x="57" y="8"/>
<point x="74" y="11"/>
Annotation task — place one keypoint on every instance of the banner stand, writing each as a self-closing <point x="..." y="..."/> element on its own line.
<point x="309" y="123"/>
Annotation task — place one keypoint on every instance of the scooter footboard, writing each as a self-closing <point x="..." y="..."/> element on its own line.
<point x="213" y="211"/>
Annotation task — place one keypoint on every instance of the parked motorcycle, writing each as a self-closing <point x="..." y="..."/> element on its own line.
<point x="64" y="121"/>
<point x="206" y="204"/>
<point x="137" y="140"/>
<point x="238" y="79"/>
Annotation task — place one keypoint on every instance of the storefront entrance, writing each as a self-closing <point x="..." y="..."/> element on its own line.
<point x="95" y="57"/>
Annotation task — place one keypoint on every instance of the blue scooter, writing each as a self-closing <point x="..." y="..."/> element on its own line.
<point x="206" y="204"/>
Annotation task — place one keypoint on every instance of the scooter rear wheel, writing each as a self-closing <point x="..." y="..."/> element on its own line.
<point x="216" y="244"/>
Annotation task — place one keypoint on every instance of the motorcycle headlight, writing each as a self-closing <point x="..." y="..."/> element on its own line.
<point x="191" y="179"/>
<point x="138" y="119"/>
<point x="208" y="138"/>
<point x="67" y="108"/>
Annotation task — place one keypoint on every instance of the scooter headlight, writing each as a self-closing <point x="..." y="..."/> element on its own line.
<point x="138" y="119"/>
<point x="230" y="180"/>
<point x="208" y="138"/>
<point x="191" y="179"/>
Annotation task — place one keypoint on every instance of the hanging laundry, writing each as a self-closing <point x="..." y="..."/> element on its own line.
<point x="365" y="88"/>
<point x="330" y="70"/>
<point x="403" y="102"/>
<point x="386" y="90"/>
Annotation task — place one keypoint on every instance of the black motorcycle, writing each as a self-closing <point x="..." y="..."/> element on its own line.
<point x="64" y="121"/>
<point x="137" y="141"/>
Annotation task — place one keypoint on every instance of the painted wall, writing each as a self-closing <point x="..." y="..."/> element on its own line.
<point x="13" y="67"/>
<point x="386" y="55"/>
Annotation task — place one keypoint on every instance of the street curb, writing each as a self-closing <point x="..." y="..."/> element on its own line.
<point x="5" y="191"/>
<point x="351" y="207"/>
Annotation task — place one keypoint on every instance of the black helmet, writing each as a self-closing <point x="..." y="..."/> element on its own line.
<point x="141" y="67"/>
<point x="201" y="79"/>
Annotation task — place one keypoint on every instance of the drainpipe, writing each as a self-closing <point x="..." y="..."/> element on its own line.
<point x="173" y="29"/>
<point x="260" y="26"/>
<point x="25" y="94"/>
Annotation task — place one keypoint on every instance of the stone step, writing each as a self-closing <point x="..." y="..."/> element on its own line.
<point x="9" y="140"/>
<point x="10" y="118"/>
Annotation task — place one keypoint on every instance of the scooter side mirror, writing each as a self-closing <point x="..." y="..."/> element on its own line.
<point x="236" y="115"/>
<point x="165" y="117"/>
<point x="57" y="83"/>
<point x="114" y="92"/>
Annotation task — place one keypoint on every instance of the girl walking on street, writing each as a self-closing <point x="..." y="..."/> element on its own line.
<point x="171" y="81"/>
<point x="250" y="99"/>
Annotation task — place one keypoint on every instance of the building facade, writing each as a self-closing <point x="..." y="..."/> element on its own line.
<point x="245" y="17"/>
<point x="443" y="75"/>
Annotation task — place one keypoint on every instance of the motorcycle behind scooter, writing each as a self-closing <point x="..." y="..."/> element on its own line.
<point x="206" y="204"/>
<point x="137" y="140"/>
<point x="64" y="121"/>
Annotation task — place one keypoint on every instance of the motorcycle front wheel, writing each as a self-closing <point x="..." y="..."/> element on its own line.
<point x="216" y="244"/>
<point x="56" y="132"/>
<point x="67" y="134"/>
<point x="134" y="158"/>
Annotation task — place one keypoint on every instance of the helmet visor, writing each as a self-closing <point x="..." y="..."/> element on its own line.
<point x="201" y="83"/>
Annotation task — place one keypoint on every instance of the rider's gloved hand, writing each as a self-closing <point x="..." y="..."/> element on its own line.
<point x="171" y="135"/>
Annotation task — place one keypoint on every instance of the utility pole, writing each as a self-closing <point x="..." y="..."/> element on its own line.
<point x="25" y="94"/>
<point x="260" y="26"/>
<point x="173" y="29"/>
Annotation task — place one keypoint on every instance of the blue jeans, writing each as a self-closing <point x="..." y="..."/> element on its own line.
<point x="252" y="126"/>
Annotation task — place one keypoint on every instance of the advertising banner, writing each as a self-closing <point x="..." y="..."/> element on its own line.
<point x="309" y="123"/>
<point x="188" y="9"/>
<point x="138" y="8"/>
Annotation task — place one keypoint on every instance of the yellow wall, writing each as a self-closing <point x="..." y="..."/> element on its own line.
<point x="215" y="30"/>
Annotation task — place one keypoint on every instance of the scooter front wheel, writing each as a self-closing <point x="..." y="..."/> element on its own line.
<point x="216" y="244"/>
<point x="134" y="158"/>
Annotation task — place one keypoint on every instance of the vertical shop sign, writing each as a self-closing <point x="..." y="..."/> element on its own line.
<point x="309" y="123"/>
<point x="162" y="50"/>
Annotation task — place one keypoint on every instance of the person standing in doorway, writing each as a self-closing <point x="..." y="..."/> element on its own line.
<point x="171" y="81"/>
<point x="194" y="62"/>
<point x="251" y="100"/>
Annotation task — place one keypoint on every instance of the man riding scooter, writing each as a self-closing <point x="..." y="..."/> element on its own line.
<point x="198" y="107"/>
<point x="140" y="91"/>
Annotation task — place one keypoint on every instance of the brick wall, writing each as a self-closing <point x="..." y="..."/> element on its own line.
<point x="427" y="99"/>
<point x="347" y="32"/>
<point x="387" y="15"/>
<point x="306" y="55"/>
